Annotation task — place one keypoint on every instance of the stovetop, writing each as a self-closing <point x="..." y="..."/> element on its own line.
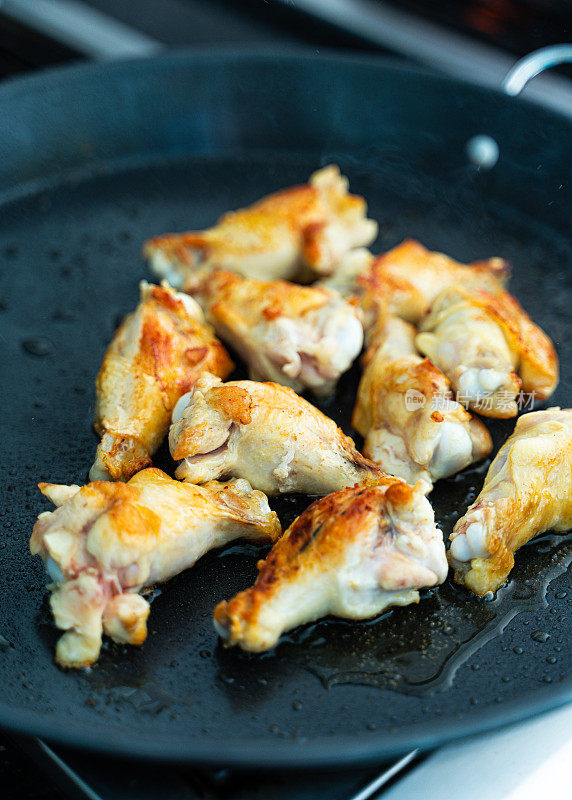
<point x="43" y="33"/>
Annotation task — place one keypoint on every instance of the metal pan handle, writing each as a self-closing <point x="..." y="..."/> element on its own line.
<point x="533" y="64"/>
<point x="482" y="150"/>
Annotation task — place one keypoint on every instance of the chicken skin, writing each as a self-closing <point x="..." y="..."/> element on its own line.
<point x="351" y="554"/>
<point x="155" y="357"/>
<point x="107" y="541"/>
<point x="265" y="433"/>
<point x="294" y="234"/>
<point x="347" y="280"/>
<point x="304" y="337"/>
<point x="528" y="490"/>
<point x="406" y="413"/>
<point x="480" y="341"/>
<point x="406" y="280"/>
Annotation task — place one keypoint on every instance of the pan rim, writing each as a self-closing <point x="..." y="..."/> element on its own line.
<point x="43" y="78"/>
<point x="319" y="751"/>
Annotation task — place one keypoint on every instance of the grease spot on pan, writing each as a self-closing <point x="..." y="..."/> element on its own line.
<point x="419" y="650"/>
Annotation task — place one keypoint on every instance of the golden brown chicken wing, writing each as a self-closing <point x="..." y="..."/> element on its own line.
<point x="481" y="341"/>
<point x="304" y="337"/>
<point x="528" y="490"/>
<point x="405" y="410"/>
<point x="351" y="554"/>
<point x="155" y="356"/>
<point x="347" y="279"/>
<point x="107" y="541"/>
<point x="265" y="433"/>
<point x="406" y="280"/>
<point x="295" y="233"/>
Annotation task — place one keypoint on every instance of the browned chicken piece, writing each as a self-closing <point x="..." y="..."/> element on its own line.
<point x="406" y="413"/>
<point x="108" y="541"/>
<point x="481" y="341"/>
<point x="528" y="490"/>
<point x="351" y="554"/>
<point x="304" y="337"/>
<point x="295" y="234"/>
<point x="406" y="280"/>
<point x="347" y="279"/>
<point x="155" y="356"/>
<point x="265" y="433"/>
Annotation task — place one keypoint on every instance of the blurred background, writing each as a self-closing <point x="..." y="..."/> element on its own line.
<point x="477" y="39"/>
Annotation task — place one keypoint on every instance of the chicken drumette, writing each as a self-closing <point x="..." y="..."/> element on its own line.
<point x="304" y="337"/>
<point x="296" y="233"/>
<point x="528" y="490"/>
<point x="265" y="433"/>
<point x="155" y="357"/>
<point x="406" y="280"/>
<point x="351" y="554"/>
<point x="481" y="341"/>
<point x="405" y="410"/>
<point x="107" y="541"/>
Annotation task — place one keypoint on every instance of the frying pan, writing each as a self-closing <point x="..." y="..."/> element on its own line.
<point x="93" y="160"/>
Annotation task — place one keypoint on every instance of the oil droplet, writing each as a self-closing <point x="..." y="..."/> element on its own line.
<point x="152" y="594"/>
<point x="540" y="636"/>
<point x="297" y="705"/>
<point x="371" y="726"/>
<point x="552" y="659"/>
<point x="547" y="679"/>
<point x="10" y="251"/>
<point x="62" y="315"/>
<point x="38" y="346"/>
<point x="518" y="650"/>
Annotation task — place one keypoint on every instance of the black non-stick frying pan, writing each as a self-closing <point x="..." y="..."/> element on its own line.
<point x="95" y="159"/>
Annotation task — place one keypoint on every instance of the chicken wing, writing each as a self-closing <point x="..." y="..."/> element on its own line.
<point x="347" y="280"/>
<point x="480" y="341"/>
<point x="107" y="541"/>
<point x="351" y="554"/>
<point x="528" y="490"/>
<point x="304" y="337"/>
<point x="405" y="410"/>
<point x="295" y="233"/>
<point x="265" y="433"/>
<point x="406" y="280"/>
<point x="154" y="358"/>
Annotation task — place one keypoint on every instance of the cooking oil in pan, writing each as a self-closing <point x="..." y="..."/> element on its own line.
<point x="418" y="650"/>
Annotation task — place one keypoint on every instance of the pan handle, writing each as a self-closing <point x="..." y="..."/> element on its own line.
<point x="533" y="64"/>
<point x="482" y="150"/>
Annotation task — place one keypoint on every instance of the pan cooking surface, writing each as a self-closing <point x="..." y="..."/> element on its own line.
<point x="329" y="691"/>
